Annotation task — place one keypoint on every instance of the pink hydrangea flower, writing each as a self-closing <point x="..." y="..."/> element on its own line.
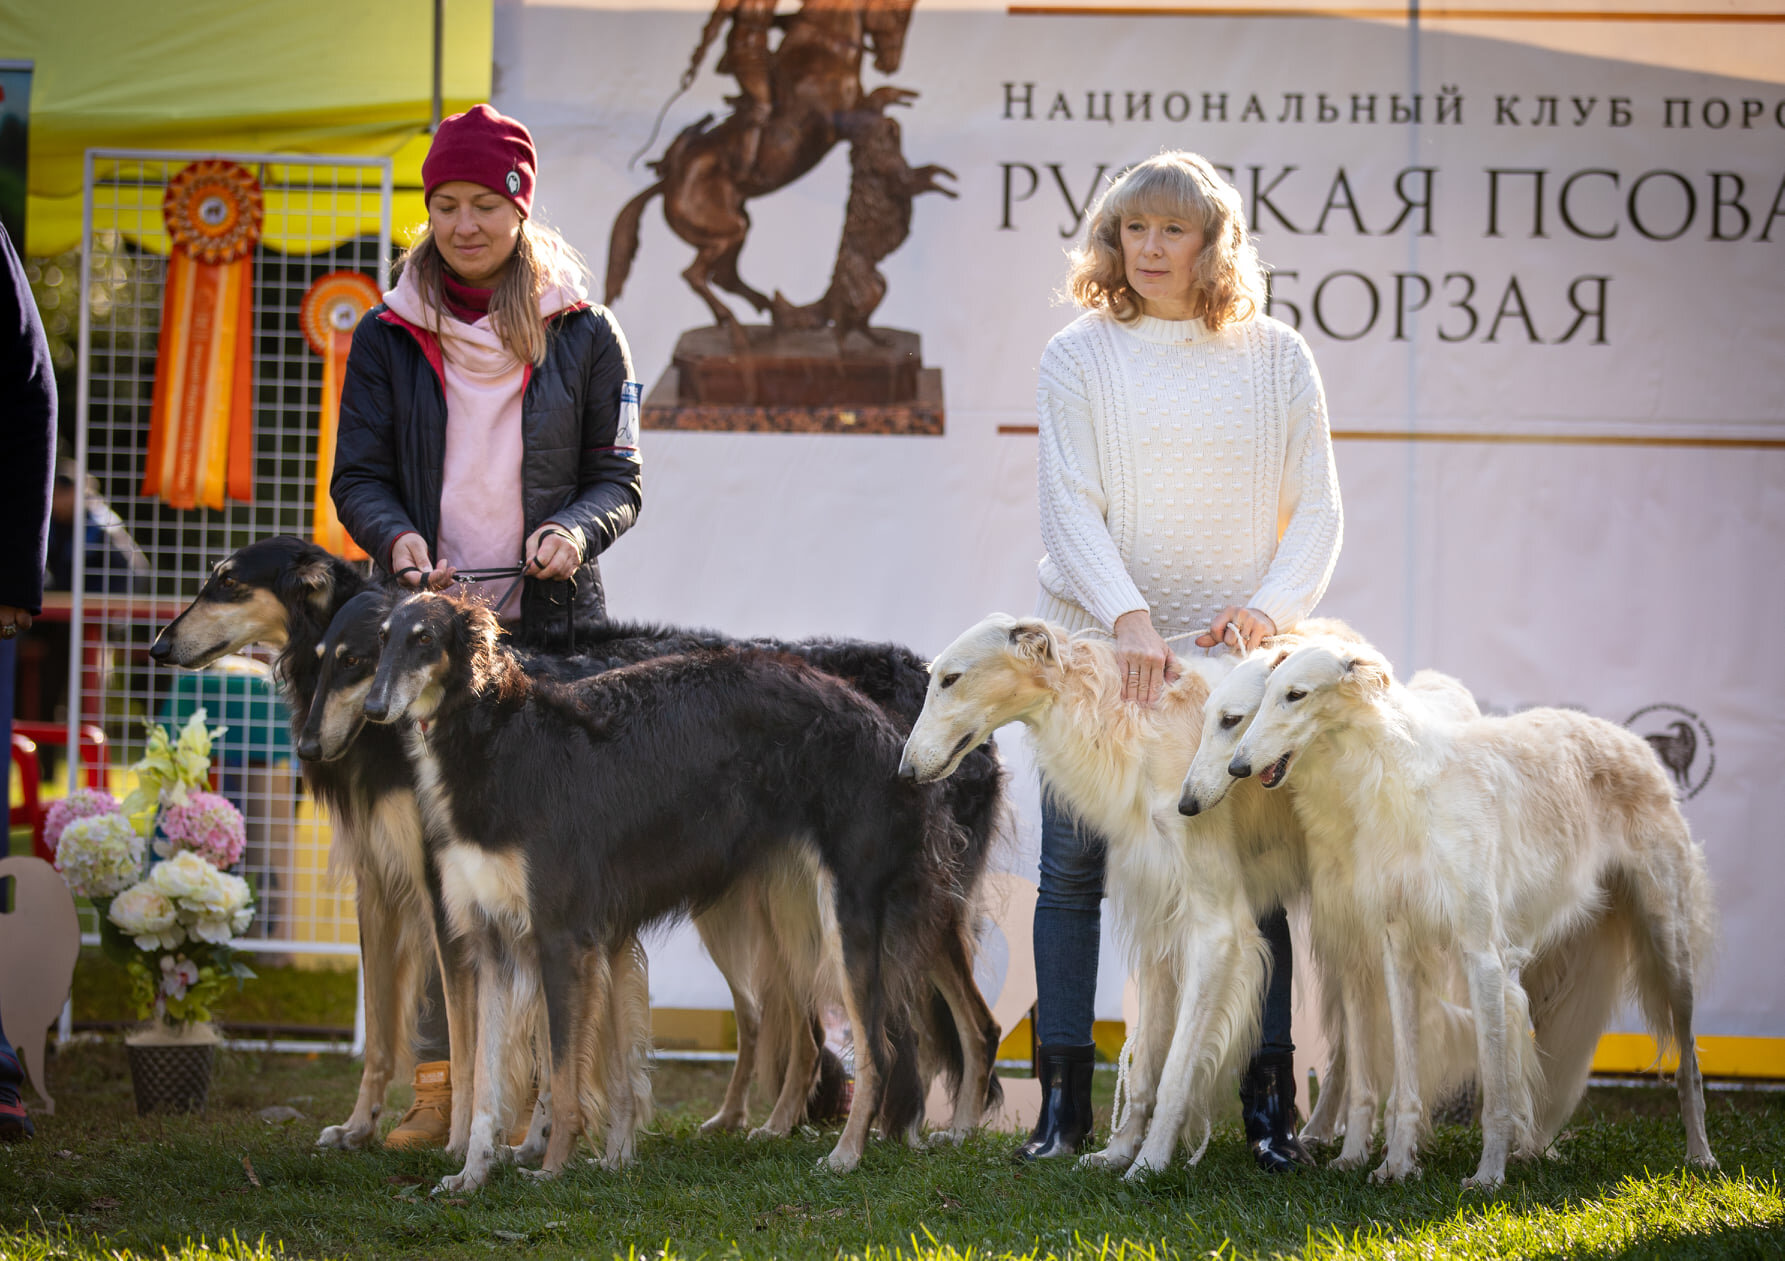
<point x="206" y="824"/>
<point x="82" y="803"/>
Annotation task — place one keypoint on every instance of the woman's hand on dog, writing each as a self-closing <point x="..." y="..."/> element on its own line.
<point x="1146" y="661"/>
<point x="1252" y="627"/>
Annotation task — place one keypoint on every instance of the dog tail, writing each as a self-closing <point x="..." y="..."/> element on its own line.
<point x="902" y="1099"/>
<point x="1572" y="987"/>
<point x="623" y="242"/>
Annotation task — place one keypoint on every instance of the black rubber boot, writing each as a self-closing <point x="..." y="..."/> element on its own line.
<point x="1065" y="1075"/>
<point x="1267" y="1110"/>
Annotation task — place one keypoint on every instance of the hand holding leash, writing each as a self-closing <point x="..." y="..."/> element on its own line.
<point x="552" y="553"/>
<point x="1252" y="627"/>
<point x="409" y="560"/>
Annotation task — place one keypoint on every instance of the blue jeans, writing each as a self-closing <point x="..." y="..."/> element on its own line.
<point x="1068" y="914"/>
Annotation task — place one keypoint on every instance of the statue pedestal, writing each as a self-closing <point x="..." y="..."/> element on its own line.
<point x="797" y="381"/>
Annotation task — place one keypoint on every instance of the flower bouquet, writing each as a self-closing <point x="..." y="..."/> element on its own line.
<point x="156" y="869"/>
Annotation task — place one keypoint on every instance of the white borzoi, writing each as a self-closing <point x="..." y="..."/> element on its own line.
<point x="1547" y="840"/>
<point x="1182" y="888"/>
<point x="1446" y="1032"/>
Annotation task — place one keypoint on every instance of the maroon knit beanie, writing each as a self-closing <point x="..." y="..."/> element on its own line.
<point x="486" y="148"/>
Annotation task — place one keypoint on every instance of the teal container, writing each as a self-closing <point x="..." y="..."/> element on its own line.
<point x="245" y="701"/>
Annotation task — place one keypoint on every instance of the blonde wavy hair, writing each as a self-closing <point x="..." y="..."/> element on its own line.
<point x="541" y="259"/>
<point x="1228" y="278"/>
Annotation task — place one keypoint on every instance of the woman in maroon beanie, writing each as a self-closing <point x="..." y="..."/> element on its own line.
<point x="489" y="419"/>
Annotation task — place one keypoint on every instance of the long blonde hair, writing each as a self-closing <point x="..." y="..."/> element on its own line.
<point x="541" y="259"/>
<point x="1228" y="279"/>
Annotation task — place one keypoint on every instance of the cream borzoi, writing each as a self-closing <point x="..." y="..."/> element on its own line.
<point x="1447" y="1035"/>
<point x="1546" y="841"/>
<point x="1186" y="891"/>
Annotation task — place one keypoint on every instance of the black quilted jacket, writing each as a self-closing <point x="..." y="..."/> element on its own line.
<point x="578" y="468"/>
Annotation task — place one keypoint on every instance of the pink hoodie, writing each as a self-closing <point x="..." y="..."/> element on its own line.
<point x="482" y="525"/>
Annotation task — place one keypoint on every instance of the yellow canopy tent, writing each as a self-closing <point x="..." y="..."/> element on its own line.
<point x="342" y="77"/>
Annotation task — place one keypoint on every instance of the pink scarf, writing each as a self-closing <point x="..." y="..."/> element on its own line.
<point x="482" y="521"/>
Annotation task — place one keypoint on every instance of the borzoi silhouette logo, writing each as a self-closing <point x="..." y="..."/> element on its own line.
<point x="1682" y="741"/>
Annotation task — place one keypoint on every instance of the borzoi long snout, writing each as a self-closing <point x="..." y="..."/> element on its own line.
<point x="934" y="750"/>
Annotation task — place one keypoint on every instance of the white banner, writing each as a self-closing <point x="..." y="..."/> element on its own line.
<point x="1539" y="264"/>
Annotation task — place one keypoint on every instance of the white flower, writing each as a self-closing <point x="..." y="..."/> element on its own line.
<point x="100" y="856"/>
<point x="185" y="876"/>
<point x="177" y="976"/>
<point x="145" y="913"/>
<point x="210" y="902"/>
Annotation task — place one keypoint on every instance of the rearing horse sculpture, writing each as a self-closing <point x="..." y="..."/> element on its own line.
<point x="705" y="177"/>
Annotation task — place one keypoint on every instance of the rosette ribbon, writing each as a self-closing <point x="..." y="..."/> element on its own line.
<point x="331" y="309"/>
<point x="201" y="423"/>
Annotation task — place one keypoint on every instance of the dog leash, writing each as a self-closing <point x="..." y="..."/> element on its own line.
<point x="519" y="572"/>
<point x="1230" y="628"/>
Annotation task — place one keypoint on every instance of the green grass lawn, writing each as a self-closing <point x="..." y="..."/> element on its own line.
<point x="98" y="1182"/>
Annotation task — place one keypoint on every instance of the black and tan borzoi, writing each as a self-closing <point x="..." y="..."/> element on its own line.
<point x="562" y="818"/>
<point x="771" y="932"/>
<point x="285" y="592"/>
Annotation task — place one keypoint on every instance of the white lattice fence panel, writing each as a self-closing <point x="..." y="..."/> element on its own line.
<point x="323" y="214"/>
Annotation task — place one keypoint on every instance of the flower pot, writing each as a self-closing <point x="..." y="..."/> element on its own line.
<point x="171" y="1072"/>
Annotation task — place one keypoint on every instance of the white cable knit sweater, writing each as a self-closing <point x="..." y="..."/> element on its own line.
<point x="1182" y="471"/>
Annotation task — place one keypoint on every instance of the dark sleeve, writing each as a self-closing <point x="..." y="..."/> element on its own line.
<point x="365" y="486"/>
<point x="610" y="493"/>
<point x="27" y="438"/>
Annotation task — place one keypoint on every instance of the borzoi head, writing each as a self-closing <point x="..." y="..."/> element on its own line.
<point x="248" y="599"/>
<point x="1000" y="671"/>
<point x="415" y="659"/>
<point x="347" y="663"/>
<point x="1225" y="716"/>
<point x="1318" y="688"/>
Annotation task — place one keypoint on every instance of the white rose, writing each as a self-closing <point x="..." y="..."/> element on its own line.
<point x="184" y="876"/>
<point x="212" y="928"/>
<point x="144" y="912"/>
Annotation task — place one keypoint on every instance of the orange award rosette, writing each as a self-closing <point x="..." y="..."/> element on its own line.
<point x="331" y="309"/>
<point x="201" y="424"/>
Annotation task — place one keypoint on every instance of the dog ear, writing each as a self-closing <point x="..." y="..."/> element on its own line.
<point x="1368" y="673"/>
<point x="1281" y="657"/>
<point x="1035" y="640"/>
<point x="314" y="579"/>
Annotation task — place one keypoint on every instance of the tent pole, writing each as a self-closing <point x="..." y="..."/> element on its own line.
<point x="439" y="56"/>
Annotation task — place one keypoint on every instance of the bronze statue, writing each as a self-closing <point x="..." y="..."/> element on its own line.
<point x="875" y="223"/>
<point x="798" y="99"/>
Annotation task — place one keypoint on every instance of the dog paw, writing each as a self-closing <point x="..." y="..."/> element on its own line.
<point x="346" y="1138"/>
<point x="1479" y="1181"/>
<point x="721" y="1123"/>
<point x="1144" y="1167"/>
<point x="614" y="1161"/>
<point x="1703" y="1161"/>
<point x="1108" y="1158"/>
<point x="1346" y="1163"/>
<point x="840" y="1161"/>
<point x="459" y="1183"/>
<point x="946" y="1138"/>
<point x="542" y="1175"/>
<point x="527" y="1153"/>
<point x="1395" y="1171"/>
<point x="765" y="1133"/>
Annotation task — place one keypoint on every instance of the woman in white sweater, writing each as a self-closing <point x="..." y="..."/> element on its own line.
<point x="1187" y="487"/>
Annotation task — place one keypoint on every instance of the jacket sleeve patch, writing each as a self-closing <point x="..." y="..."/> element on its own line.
<point x="626" y="432"/>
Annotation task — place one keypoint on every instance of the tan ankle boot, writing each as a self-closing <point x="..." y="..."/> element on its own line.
<point x="429" y="1118"/>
